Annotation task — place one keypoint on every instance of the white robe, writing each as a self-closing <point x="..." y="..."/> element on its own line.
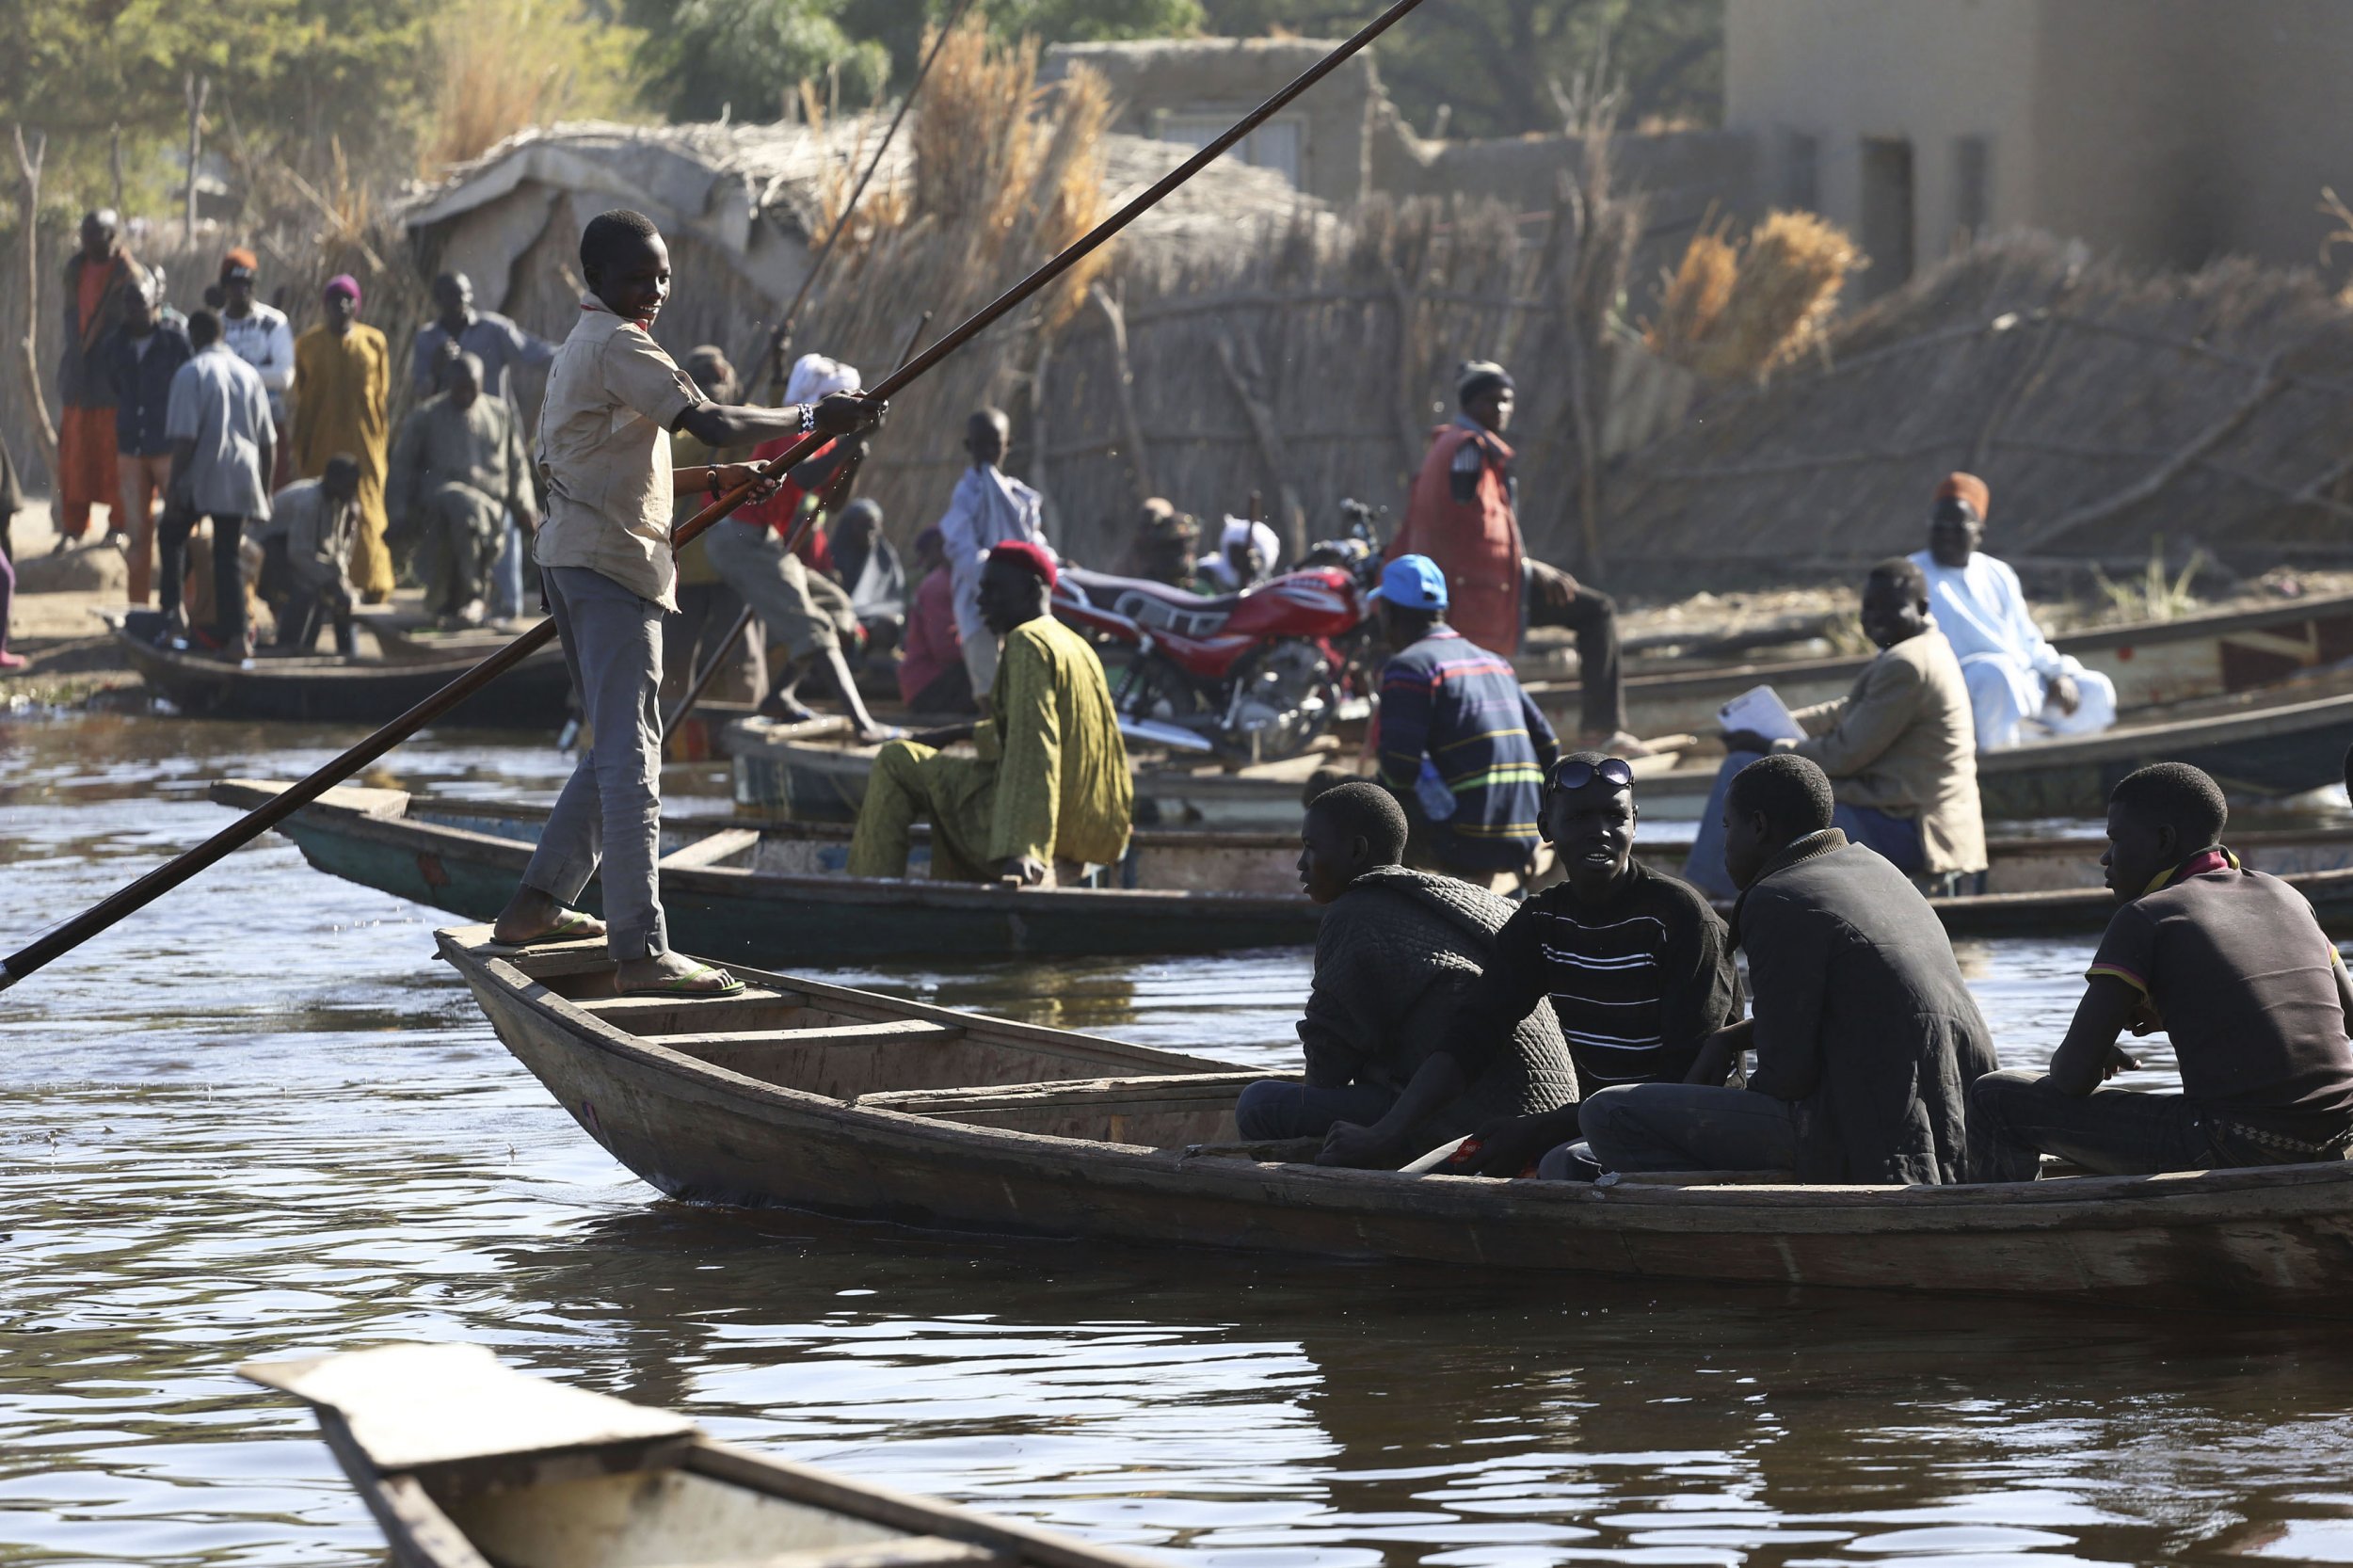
<point x="2006" y="659"/>
<point x="989" y="507"/>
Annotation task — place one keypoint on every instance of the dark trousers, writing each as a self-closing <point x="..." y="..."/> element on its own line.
<point x="1688" y="1127"/>
<point x="171" y="538"/>
<point x="1270" y="1112"/>
<point x="2015" y="1117"/>
<point x="1601" y="676"/>
<point x="309" y="611"/>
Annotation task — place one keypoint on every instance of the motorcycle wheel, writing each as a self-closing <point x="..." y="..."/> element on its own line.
<point x="1286" y="696"/>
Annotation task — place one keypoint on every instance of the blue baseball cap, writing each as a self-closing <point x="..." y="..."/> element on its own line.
<point x="1413" y="582"/>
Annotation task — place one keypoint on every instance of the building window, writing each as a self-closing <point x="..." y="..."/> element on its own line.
<point x="1801" y="172"/>
<point x="1279" y="144"/>
<point x="1973" y="185"/>
<point x="1886" y="213"/>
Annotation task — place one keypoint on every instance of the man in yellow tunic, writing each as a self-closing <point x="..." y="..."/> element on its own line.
<point x="343" y="382"/>
<point x="1049" y="789"/>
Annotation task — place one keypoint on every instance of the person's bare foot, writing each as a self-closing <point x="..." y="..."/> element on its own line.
<point x="531" y="916"/>
<point x="673" y="973"/>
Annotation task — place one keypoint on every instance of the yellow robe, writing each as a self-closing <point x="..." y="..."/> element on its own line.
<point x="341" y="393"/>
<point x="1050" y="781"/>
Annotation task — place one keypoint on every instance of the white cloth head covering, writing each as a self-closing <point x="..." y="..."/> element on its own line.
<point x="814" y="375"/>
<point x="1243" y="531"/>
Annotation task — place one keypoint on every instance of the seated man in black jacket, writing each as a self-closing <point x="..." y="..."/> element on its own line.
<point x="2232" y="965"/>
<point x="1635" y="966"/>
<point x="1866" y="1039"/>
<point x="1397" y="953"/>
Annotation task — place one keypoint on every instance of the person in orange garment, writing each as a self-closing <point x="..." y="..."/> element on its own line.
<point x="1463" y="514"/>
<point x="100" y="281"/>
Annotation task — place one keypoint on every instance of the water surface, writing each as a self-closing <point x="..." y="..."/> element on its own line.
<point x="260" y="1121"/>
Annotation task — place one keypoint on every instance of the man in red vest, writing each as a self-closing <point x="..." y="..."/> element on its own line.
<point x="1462" y="514"/>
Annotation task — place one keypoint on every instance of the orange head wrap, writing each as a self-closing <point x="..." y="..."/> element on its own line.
<point x="1969" y="488"/>
<point x="240" y="257"/>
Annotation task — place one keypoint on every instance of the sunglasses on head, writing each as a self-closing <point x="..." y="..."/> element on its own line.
<point x="1577" y="772"/>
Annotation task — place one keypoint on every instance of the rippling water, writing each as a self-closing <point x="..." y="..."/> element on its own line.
<point x="257" y="1121"/>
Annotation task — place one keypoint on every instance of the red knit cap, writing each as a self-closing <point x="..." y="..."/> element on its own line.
<point x="1967" y="488"/>
<point x="1033" y="557"/>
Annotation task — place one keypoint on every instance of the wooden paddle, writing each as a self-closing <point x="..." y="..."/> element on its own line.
<point x="65" y="938"/>
<point x="829" y="502"/>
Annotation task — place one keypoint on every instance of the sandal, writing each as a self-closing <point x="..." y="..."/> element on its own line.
<point x="571" y="925"/>
<point x="686" y="984"/>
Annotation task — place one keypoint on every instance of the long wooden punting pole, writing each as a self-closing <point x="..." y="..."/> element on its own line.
<point x="71" y="934"/>
<point x="830" y="501"/>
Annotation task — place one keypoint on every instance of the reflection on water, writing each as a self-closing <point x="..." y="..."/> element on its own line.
<point x="259" y="1121"/>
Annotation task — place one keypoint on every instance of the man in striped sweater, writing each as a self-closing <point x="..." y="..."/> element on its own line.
<point x="1460" y="744"/>
<point x="1636" y="966"/>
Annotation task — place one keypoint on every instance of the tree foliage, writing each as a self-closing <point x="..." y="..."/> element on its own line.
<point x="1495" y="64"/>
<point x="748" y="56"/>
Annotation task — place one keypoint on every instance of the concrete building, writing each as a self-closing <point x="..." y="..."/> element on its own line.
<point x="2168" y="131"/>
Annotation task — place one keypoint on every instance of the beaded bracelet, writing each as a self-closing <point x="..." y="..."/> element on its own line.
<point x="808" y="418"/>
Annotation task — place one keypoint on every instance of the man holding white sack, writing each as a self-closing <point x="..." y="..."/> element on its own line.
<point x="2020" y="688"/>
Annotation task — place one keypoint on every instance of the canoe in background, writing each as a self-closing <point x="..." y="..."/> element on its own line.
<point x="801" y="1095"/>
<point x="779" y="895"/>
<point x="2152" y="663"/>
<point x="325" y="689"/>
<point x="465" y="1464"/>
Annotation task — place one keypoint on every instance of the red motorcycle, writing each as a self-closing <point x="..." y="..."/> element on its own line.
<point x="1255" y="676"/>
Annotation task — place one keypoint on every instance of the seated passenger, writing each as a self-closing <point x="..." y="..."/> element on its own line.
<point x="1398" y="953"/>
<point x="1457" y="739"/>
<point x="1866" y="1040"/>
<point x="2232" y="965"/>
<point x="2020" y="686"/>
<point x="458" y="473"/>
<point x="1637" y="967"/>
<point x="1900" y="748"/>
<point x="932" y="676"/>
<point x="1049" y="792"/>
<point x="1161" y="547"/>
<point x="315" y="522"/>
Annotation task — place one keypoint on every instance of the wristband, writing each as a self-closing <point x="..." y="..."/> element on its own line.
<point x="714" y="473"/>
<point x="808" y="418"/>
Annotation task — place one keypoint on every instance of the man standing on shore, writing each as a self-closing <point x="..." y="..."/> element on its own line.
<point x="343" y="384"/>
<point x="100" y="282"/>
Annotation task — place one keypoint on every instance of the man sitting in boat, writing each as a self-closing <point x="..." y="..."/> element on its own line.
<point x="2232" y="965"/>
<point x="1900" y="748"/>
<point x="1635" y="966"/>
<point x="318" y="520"/>
<point x="1464" y="747"/>
<point x="1048" y="793"/>
<point x="1866" y="1039"/>
<point x="2020" y="686"/>
<point x="1397" y="955"/>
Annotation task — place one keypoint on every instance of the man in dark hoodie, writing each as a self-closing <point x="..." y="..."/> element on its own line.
<point x="1866" y="1039"/>
<point x="1397" y="951"/>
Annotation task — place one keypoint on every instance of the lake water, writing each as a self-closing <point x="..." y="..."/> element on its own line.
<point x="257" y="1121"/>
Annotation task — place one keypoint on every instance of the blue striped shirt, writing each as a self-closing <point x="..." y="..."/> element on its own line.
<point x="1449" y="700"/>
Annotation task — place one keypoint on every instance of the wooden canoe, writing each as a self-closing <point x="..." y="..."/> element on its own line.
<point x="806" y="1095"/>
<point x="772" y="891"/>
<point x="2258" y="745"/>
<point x="465" y="1464"/>
<point x="815" y="772"/>
<point x="325" y="689"/>
<point x="777" y="893"/>
<point x="2153" y="664"/>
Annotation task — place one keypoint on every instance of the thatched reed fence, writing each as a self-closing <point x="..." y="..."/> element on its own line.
<point x="2109" y="411"/>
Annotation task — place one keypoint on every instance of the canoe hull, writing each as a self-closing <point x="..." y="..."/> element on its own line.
<point x="324" y="691"/>
<point x="766" y="919"/>
<point x="2280" y="1239"/>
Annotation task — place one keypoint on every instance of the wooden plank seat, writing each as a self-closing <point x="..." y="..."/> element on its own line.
<point x="1162" y="1110"/>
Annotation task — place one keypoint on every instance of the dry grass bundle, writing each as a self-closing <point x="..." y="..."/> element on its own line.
<point x="1694" y="298"/>
<point x="1781" y="298"/>
<point x="510" y="64"/>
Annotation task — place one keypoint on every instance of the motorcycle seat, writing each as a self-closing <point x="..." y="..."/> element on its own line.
<point x="1147" y="604"/>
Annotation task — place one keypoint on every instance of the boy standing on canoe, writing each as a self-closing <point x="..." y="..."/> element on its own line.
<point x="614" y="397"/>
<point x="2232" y="965"/>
